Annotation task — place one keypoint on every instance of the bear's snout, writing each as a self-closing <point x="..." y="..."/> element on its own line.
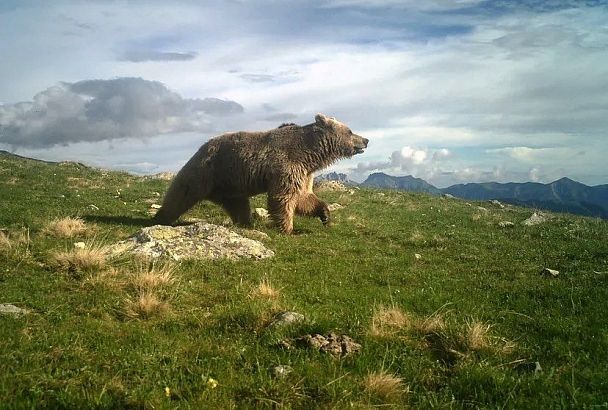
<point x="359" y="143"/>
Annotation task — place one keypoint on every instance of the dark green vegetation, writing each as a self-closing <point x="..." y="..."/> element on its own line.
<point x="81" y="346"/>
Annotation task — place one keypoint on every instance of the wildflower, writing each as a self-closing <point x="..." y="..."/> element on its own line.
<point x="167" y="392"/>
<point x="211" y="383"/>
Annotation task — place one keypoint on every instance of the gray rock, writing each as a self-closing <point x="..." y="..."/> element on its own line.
<point x="448" y="196"/>
<point x="335" y="206"/>
<point x="535" y="219"/>
<point x="285" y="318"/>
<point x="506" y="224"/>
<point x="549" y="273"/>
<point x="12" y="310"/>
<point x="197" y="241"/>
<point x="280" y="371"/>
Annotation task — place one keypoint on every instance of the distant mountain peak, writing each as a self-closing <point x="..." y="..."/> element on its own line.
<point x="405" y="183"/>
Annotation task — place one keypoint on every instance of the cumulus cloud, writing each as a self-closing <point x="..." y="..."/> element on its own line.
<point x="407" y="159"/>
<point x="95" y="110"/>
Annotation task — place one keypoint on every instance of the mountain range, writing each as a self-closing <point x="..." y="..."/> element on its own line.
<point x="563" y="195"/>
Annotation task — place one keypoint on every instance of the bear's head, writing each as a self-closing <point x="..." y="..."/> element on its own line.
<point x="343" y="139"/>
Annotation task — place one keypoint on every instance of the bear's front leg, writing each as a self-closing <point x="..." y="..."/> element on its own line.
<point x="282" y="208"/>
<point x="310" y="205"/>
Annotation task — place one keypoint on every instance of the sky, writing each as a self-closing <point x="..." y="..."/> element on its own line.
<point x="451" y="91"/>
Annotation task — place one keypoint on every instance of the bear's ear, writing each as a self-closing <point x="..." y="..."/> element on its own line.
<point x="322" y="120"/>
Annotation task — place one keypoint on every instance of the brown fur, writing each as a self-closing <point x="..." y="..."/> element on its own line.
<point x="232" y="167"/>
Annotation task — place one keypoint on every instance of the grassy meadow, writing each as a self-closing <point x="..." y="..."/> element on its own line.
<point x="449" y="307"/>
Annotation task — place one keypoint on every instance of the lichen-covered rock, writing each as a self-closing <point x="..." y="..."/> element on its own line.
<point x="197" y="241"/>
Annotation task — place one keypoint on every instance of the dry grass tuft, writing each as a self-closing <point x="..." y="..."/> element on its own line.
<point x="67" y="227"/>
<point x="477" y="335"/>
<point x="150" y="276"/>
<point x="387" y="321"/>
<point x="265" y="290"/>
<point x="145" y="306"/>
<point x="90" y="258"/>
<point x="110" y="278"/>
<point x="5" y="242"/>
<point x="416" y="238"/>
<point x="432" y="324"/>
<point x="384" y="385"/>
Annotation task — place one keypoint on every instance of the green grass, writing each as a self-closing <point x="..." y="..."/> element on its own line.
<point x="80" y="347"/>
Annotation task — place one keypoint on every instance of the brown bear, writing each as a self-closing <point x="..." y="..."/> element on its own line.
<point x="232" y="167"/>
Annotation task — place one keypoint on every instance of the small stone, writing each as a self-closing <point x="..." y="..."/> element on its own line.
<point x="506" y="224"/>
<point x="8" y="309"/>
<point x="335" y="206"/>
<point x="496" y="203"/>
<point x="280" y="371"/>
<point x="417" y="256"/>
<point x="448" y="196"/>
<point x="156" y="193"/>
<point x="549" y="273"/>
<point x="261" y="213"/>
<point x="79" y="245"/>
<point x="155" y="206"/>
<point x="286" y="318"/>
<point x="482" y="209"/>
<point x="93" y="207"/>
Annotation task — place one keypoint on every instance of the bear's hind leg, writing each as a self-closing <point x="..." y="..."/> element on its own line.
<point x="239" y="210"/>
<point x="310" y="205"/>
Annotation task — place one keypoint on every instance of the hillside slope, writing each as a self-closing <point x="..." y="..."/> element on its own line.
<point x="446" y="302"/>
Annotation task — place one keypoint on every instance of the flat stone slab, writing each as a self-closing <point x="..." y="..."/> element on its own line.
<point x="197" y="241"/>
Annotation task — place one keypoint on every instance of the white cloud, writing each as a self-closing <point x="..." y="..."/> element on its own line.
<point x="95" y="110"/>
